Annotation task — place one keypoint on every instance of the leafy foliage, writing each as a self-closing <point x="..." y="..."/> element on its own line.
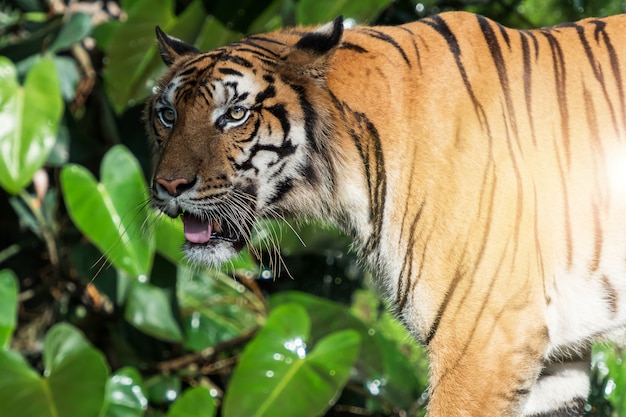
<point x="100" y="315"/>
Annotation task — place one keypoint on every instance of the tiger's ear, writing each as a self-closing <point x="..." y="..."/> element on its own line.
<point x="310" y="55"/>
<point x="171" y="48"/>
<point x="323" y="39"/>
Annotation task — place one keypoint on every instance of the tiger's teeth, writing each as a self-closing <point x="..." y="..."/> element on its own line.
<point x="217" y="227"/>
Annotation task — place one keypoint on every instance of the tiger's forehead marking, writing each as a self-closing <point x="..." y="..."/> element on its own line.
<point x="221" y="78"/>
<point x="169" y="94"/>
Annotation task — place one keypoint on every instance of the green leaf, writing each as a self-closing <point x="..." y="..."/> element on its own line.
<point x="62" y="342"/>
<point x="78" y="26"/>
<point x="279" y="376"/>
<point x="321" y="11"/>
<point x="133" y="65"/>
<point x="125" y="395"/>
<point x="29" y="120"/>
<point x="22" y="392"/>
<point x="163" y="389"/>
<point x="69" y="76"/>
<point x="382" y="368"/>
<point x="77" y="373"/>
<point x="169" y="237"/>
<point x="74" y="385"/>
<point x="214" y="34"/>
<point x="195" y="402"/>
<point x="112" y="213"/>
<point x="148" y="308"/>
<point x="239" y="14"/>
<point x="214" y="308"/>
<point x="8" y="306"/>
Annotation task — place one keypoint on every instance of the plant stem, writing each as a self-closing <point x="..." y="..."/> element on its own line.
<point x="47" y="233"/>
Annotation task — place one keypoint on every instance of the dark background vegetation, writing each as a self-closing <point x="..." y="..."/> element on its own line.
<point x="100" y="316"/>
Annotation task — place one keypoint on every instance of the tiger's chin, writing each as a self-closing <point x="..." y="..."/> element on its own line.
<point x="213" y="253"/>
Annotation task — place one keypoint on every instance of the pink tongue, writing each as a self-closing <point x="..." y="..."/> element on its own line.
<point x="195" y="230"/>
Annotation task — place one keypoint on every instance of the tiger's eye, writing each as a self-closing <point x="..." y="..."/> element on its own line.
<point x="168" y="116"/>
<point x="236" y="112"/>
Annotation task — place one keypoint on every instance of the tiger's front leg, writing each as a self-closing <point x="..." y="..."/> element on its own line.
<point x="562" y="387"/>
<point x="486" y="366"/>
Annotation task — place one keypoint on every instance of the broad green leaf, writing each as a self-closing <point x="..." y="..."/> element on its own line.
<point x="23" y="393"/>
<point x="29" y="120"/>
<point x="148" y="308"/>
<point x="214" y="308"/>
<point x="62" y="342"/>
<point x="382" y="369"/>
<point x="74" y="382"/>
<point x="8" y="306"/>
<point x="195" y="402"/>
<point x="279" y="375"/>
<point x="76" y="372"/>
<point x="169" y="237"/>
<point x="322" y="11"/>
<point x="125" y="395"/>
<point x="240" y="14"/>
<point x="112" y="213"/>
<point x="214" y="34"/>
<point x="133" y="60"/>
<point x="78" y="26"/>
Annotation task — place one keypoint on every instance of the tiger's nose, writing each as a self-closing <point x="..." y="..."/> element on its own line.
<point x="173" y="187"/>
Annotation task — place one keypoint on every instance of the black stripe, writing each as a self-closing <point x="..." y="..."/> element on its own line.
<point x="311" y="118"/>
<point x="282" y="188"/>
<point x="269" y="92"/>
<point x="188" y="71"/>
<point x="258" y="54"/>
<point x="353" y="47"/>
<point x="611" y="295"/>
<point x="253" y="135"/>
<point x="615" y="67"/>
<point x="406" y="272"/>
<point x="205" y="93"/>
<point x="560" y="75"/>
<point x="442" y="307"/>
<point x="386" y="38"/>
<point x="262" y="39"/>
<point x="191" y="64"/>
<point x="595" y="66"/>
<point x="250" y="42"/>
<point x="440" y="26"/>
<point x="524" y="35"/>
<point x="280" y="113"/>
<point x="286" y="149"/>
<point x="505" y="34"/>
<point x="229" y="71"/>
<point x="498" y="60"/>
<point x="237" y="60"/>
<point x="367" y="142"/>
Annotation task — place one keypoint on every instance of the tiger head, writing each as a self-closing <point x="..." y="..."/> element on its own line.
<point x="236" y="134"/>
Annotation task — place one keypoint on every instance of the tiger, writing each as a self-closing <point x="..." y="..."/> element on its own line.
<point x="480" y="172"/>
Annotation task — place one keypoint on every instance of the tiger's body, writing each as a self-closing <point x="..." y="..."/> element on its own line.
<point x="480" y="170"/>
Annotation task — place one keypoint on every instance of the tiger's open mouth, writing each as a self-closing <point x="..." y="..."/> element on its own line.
<point x="201" y="231"/>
